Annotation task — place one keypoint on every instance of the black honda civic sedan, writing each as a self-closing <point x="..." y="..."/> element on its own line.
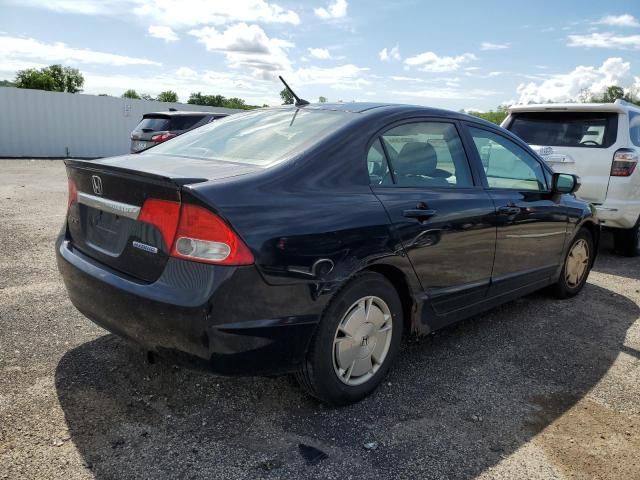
<point x="310" y="239"/>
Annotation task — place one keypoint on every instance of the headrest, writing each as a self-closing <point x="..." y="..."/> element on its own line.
<point x="417" y="158"/>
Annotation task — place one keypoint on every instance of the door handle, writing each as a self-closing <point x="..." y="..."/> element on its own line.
<point x="419" y="213"/>
<point x="508" y="210"/>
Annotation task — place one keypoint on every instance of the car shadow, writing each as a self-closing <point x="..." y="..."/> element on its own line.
<point x="455" y="404"/>
<point x="612" y="263"/>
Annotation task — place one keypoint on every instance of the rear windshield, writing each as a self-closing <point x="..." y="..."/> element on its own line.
<point x="183" y="122"/>
<point x="257" y="138"/>
<point x="153" y="124"/>
<point x="566" y="129"/>
<point x="176" y="122"/>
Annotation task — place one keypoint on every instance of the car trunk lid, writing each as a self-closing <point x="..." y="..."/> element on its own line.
<point x="108" y="220"/>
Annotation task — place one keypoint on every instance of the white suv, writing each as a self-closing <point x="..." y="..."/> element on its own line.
<point x="600" y="142"/>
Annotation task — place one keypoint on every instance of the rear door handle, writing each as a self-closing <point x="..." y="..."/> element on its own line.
<point x="508" y="210"/>
<point x="419" y="213"/>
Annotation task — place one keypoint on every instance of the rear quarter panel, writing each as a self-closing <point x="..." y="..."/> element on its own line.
<point x="314" y="219"/>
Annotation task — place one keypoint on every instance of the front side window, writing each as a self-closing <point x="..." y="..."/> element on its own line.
<point x="259" y="138"/>
<point x="427" y="154"/>
<point x="506" y="164"/>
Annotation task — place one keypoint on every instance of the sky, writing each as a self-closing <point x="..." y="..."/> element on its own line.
<point x="449" y="54"/>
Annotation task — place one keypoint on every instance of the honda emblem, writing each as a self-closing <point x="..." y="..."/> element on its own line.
<point x="96" y="182"/>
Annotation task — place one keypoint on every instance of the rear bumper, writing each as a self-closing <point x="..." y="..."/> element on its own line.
<point x="619" y="213"/>
<point x="225" y="317"/>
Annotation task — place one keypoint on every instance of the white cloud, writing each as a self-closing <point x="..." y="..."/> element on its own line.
<point x="247" y="46"/>
<point x="186" y="72"/>
<point x="431" y="62"/>
<point x="177" y="14"/>
<point x="16" y="50"/>
<point x="254" y="91"/>
<point x="392" y="54"/>
<point x="320" y="53"/>
<point x="85" y="7"/>
<point x="605" y="40"/>
<point x="493" y="46"/>
<point x="406" y="79"/>
<point x="337" y="9"/>
<point x="625" y="20"/>
<point x="162" y="31"/>
<point x="445" y="93"/>
<point x="347" y="77"/>
<point x="570" y="86"/>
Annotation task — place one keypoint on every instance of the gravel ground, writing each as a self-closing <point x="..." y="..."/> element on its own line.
<point x="537" y="388"/>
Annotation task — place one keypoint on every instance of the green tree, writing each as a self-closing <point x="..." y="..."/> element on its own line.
<point x="54" y="78"/>
<point x="6" y="83"/>
<point x="197" y="98"/>
<point x="323" y="99"/>
<point x="287" y="97"/>
<point x="131" y="93"/>
<point x="235" y="103"/>
<point x="168" y="96"/>
<point x="493" y="116"/>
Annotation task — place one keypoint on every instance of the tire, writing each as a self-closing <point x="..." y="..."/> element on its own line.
<point x="325" y="373"/>
<point x="627" y="242"/>
<point x="572" y="278"/>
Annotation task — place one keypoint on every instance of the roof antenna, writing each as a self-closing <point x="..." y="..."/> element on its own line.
<point x="299" y="101"/>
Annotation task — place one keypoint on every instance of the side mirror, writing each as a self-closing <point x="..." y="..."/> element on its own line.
<point x="565" y="183"/>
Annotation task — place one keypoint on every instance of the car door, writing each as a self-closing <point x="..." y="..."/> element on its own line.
<point x="442" y="216"/>
<point x="531" y="221"/>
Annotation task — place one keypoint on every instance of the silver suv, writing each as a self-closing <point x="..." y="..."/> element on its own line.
<point x="600" y="142"/>
<point x="158" y="127"/>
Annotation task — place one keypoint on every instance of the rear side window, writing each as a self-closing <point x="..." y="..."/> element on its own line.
<point x="184" y="122"/>
<point x="427" y="154"/>
<point x="377" y="166"/>
<point x="634" y="128"/>
<point x="153" y="124"/>
<point x="566" y="129"/>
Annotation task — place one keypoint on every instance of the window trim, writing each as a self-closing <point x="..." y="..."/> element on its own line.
<point x="476" y="180"/>
<point x="546" y="170"/>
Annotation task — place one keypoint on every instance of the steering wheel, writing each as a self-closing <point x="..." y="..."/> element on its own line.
<point x="589" y="142"/>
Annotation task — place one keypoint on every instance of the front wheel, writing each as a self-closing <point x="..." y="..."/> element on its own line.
<point x="577" y="265"/>
<point x="357" y="339"/>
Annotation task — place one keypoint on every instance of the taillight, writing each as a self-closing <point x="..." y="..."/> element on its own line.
<point x="163" y="214"/>
<point x="72" y="197"/>
<point x="194" y="233"/>
<point x="162" y="137"/>
<point x="203" y="236"/>
<point x="624" y="162"/>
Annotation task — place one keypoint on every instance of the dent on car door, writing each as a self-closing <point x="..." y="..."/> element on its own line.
<point x="443" y="219"/>
<point x="531" y="221"/>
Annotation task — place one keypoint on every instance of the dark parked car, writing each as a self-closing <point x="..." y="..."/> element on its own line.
<point x="310" y="239"/>
<point x="158" y="127"/>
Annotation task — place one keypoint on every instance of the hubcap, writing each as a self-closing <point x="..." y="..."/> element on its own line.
<point x="362" y="340"/>
<point x="577" y="263"/>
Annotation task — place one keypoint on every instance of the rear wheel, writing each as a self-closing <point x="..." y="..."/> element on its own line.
<point x="627" y="242"/>
<point x="356" y="342"/>
<point x="577" y="265"/>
